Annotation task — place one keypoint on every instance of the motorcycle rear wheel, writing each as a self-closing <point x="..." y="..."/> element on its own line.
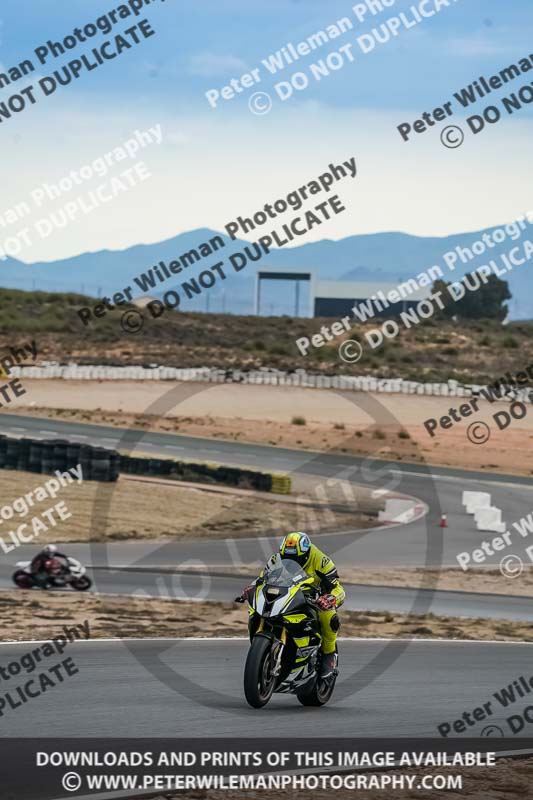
<point x="82" y="584"/>
<point x="258" y="680"/>
<point x="319" y="694"/>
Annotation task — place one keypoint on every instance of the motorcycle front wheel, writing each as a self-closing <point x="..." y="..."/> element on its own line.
<point x="81" y="584"/>
<point x="22" y="579"/>
<point x="258" y="678"/>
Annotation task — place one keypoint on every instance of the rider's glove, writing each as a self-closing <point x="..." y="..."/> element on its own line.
<point x="246" y="589"/>
<point x="326" y="602"/>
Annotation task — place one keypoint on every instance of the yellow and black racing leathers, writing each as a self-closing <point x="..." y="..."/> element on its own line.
<point x="326" y="579"/>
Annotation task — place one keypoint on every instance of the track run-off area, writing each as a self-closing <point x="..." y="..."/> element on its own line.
<point x="395" y="687"/>
<point x="144" y="567"/>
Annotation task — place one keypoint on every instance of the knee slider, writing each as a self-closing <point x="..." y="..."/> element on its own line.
<point x="335" y="623"/>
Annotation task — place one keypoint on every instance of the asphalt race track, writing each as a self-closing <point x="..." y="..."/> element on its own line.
<point x="416" y="544"/>
<point x="224" y="588"/>
<point x="194" y="688"/>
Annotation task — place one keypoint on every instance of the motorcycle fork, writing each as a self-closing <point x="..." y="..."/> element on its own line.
<point x="276" y="669"/>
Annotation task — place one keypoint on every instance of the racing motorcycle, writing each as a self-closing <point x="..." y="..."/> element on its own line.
<point x="61" y="573"/>
<point x="285" y="638"/>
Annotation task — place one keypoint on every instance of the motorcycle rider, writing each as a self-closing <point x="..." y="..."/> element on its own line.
<point x="38" y="564"/>
<point x="297" y="546"/>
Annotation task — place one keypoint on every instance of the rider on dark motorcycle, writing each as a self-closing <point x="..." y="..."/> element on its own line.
<point x="39" y="567"/>
<point x="297" y="546"/>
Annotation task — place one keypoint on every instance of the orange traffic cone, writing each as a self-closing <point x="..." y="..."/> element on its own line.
<point x="443" y="521"/>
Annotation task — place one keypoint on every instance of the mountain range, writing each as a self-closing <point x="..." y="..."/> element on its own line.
<point x="389" y="257"/>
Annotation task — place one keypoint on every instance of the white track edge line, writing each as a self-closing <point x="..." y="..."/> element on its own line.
<point x="245" y="639"/>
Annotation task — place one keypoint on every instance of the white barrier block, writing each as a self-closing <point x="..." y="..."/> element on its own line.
<point x="488" y="520"/>
<point x="481" y="513"/>
<point x="478" y="500"/>
<point x="467" y="497"/>
<point x="397" y="510"/>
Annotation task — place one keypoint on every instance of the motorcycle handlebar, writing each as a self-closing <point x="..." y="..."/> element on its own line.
<point x="239" y="599"/>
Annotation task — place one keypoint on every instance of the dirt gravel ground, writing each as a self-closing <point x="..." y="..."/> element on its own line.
<point x="383" y="425"/>
<point x="38" y="615"/>
<point x="509" y="779"/>
<point x="480" y="580"/>
<point x="137" y="509"/>
<point x="471" y="351"/>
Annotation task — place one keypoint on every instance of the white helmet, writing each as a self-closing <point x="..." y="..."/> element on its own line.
<point x="50" y="550"/>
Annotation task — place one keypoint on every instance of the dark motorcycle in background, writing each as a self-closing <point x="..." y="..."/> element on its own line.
<point x="60" y="573"/>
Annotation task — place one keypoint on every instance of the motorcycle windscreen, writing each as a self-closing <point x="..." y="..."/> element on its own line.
<point x="284" y="573"/>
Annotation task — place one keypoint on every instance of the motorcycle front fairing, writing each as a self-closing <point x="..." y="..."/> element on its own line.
<point x="280" y="609"/>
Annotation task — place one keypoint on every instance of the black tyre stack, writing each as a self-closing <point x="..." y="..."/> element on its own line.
<point x="59" y="455"/>
<point x="228" y="475"/>
<point x="85" y="460"/>
<point x="264" y="482"/>
<point x="99" y="464"/>
<point x="12" y="454"/>
<point x="47" y="456"/>
<point x="73" y="455"/>
<point x="114" y="470"/>
<point x="3" y="450"/>
<point x="160" y="466"/>
<point x="126" y="465"/>
<point x="36" y="456"/>
<point x="104" y="464"/>
<point x="23" y="460"/>
<point x="198" y="472"/>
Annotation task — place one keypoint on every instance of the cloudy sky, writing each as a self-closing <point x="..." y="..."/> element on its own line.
<point x="215" y="164"/>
